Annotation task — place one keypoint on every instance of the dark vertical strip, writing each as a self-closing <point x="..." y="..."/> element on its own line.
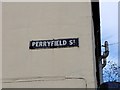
<point x="119" y="41"/>
<point x="96" y="22"/>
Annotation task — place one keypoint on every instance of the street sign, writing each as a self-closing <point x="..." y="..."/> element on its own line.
<point x="55" y="43"/>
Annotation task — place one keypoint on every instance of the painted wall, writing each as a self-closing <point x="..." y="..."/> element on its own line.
<point x="59" y="67"/>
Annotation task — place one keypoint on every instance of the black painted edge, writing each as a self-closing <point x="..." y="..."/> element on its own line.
<point x="96" y="22"/>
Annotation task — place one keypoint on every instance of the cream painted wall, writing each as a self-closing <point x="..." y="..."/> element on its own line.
<point x="23" y="22"/>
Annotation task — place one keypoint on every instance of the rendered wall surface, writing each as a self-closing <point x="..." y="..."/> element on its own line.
<point x="23" y="22"/>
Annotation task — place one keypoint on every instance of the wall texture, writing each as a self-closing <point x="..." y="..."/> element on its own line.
<point x="23" y="22"/>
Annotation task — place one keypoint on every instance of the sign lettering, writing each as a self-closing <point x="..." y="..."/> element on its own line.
<point x="55" y="43"/>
